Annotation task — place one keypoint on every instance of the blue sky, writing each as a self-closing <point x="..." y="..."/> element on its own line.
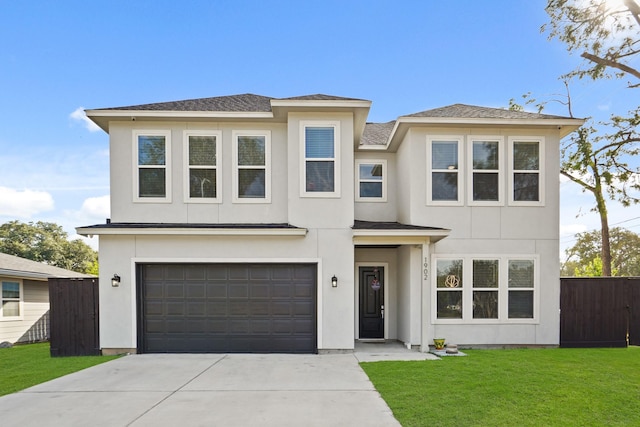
<point x="57" y="58"/>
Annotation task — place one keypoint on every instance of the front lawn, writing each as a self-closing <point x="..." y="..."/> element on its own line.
<point x="534" y="387"/>
<point x="23" y="366"/>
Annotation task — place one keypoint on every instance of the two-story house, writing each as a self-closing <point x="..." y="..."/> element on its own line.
<point x="254" y="224"/>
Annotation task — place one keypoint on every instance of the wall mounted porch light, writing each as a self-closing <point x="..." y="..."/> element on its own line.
<point x="334" y="281"/>
<point x="115" y="281"/>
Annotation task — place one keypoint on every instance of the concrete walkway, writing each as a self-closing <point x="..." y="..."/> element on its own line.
<point x="208" y="390"/>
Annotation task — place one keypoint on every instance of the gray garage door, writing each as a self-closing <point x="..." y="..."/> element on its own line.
<point x="227" y="308"/>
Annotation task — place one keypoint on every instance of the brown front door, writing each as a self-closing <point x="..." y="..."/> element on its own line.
<point x="371" y="302"/>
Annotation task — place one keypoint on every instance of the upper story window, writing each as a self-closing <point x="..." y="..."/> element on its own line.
<point x="444" y="162"/>
<point x="486" y="180"/>
<point x="525" y="171"/>
<point x="483" y="289"/>
<point x="202" y="151"/>
<point x="152" y="153"/>
<point x="371" y="180"/>
<point x="11" y="300"/>
<point x="252" y="174"/>
<point x="320" y="170"/>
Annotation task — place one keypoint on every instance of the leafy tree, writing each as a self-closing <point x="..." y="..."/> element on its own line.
<point x="48" y="243"/>
<point x="583" y="258"/>
<point x="607" y="34"/>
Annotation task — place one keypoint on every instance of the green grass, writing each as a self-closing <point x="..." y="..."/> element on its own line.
<point x="525" y="387"/>
<point x="24" y="366"/>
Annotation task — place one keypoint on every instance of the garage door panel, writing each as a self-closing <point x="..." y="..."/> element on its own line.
<point x="302" y="309"/>
<point x="259" y="290"/>
<point x="301" y="326"/>
<point x="195" y="272"/>
<point x="282" y="272"/>
<point x="304" y="290"/>
<point x="174" y="308"/>
<point x="155" y="326"/>
<point x="238" y="290"/>
<point x="238" y="272"/>
<point x="282" y="327"/>
<point x="196" y="290"/>
<point x="260" y="272"/>
<point x="280" y="308"/>
<point x="175" y="272"/>
<point x="197" y="326"/>
<point x="173" y="326"/>
<point x="239" y="307"/>
<point x="154" y="272"/>
<point x="260" y="326"/>
<point x="228" y="308"/>
<point x="217" y="308"/>
<point x="155" y="308"/>
<point x="281" y="290"/>
<point x="238" y="326"/>
<point x="216" y="290"/>
<point x="217" y="326"/>
<point x="154" y="290"/>
<point x="259" y="308"/>
<point x="196" y="309"/>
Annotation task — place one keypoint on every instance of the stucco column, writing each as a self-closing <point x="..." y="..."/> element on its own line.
<point x="425" y="299"/>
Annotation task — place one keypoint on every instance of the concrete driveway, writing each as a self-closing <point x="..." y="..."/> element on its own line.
<point x="205" y="390"/>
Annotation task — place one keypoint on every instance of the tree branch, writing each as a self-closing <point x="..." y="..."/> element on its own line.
<point x="578" y="181"/>
<point x="634" y="8"/>
<point x="609" y="63"/>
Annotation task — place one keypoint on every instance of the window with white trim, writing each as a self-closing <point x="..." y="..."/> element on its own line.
<point x="485" y="289"/>
<point x="11" y="302"/>
<point x="202" y="151"/>
<point x="526" y="163"/>
<point x="252" y="174"/>
<point x="521" y="288"/>
<point x="152" y="154"/>
<point x="320" y="171"/>
<point x="485" y="164"/>
<point x="371" y="180"/>
<point x="444" y="176"/>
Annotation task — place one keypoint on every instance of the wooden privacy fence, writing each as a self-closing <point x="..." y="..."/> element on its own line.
<point x="599" y="311"/>
<point x="74" y="317"/>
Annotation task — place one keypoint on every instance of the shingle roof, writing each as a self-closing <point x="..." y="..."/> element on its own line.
<point x="15" y="266"/>
<point x="377" y="133"/>
<point x="389" y="225"/>
<point x="464" y="111"/>
<point x="319" y="97"/>
<point x="247" y="102"/>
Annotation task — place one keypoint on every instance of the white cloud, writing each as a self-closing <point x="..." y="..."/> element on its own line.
<point x="25" y="203"/>
<point x="96" y="207"/>
<point x="80" y="116"/>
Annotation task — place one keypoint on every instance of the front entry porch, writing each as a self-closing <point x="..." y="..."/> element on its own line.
<point x="388" y="351"/>
<point x="390" y="283"/>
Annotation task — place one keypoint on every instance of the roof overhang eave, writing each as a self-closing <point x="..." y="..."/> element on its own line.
<point x="103" y="117"/>
<point x="187" y="231"/>
<point x="564" y="125"/>
<point x="359" y="109"/>
<point x="401" y="237"/>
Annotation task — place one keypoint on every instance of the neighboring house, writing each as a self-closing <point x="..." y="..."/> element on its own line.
<point x="254" y="224"/>
<point x="24" y="312"/>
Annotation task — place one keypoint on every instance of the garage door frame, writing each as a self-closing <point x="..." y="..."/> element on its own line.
<point x="140" y="301"/>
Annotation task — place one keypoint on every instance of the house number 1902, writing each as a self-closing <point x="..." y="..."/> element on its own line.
<point x="425" y="269"/>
